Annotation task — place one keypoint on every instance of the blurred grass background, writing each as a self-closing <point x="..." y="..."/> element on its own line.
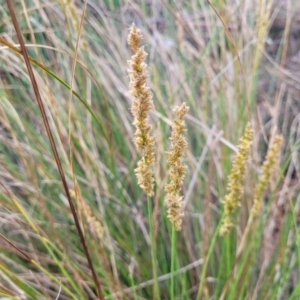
<point x="233" y="62"/>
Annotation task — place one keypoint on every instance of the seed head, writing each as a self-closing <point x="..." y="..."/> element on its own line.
<point x="134" y="38"/>
<point x="142" y="104"/>
<point x="264" y="179"/>
<point x="234" y="187"/>
<point x="173" y="199"/>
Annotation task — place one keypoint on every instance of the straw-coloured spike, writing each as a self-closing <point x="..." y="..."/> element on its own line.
<point x="264" y="179"/>
<point x="173" y="199"/>
<point x="234" y="187"/>
<point x="142" y="104"/>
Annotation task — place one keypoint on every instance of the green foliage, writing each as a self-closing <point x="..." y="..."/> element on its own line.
<point x="192" y="58"/>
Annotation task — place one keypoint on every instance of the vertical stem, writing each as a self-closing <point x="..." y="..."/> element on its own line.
<point x="173" y="255"/>
<point x="133" y="284"/>
<point x="153" y="250"/>
<point x="210" y="251"/>
<point x="237" y="256"/>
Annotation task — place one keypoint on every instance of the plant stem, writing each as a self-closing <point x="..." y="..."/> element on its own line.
<point x="173" y="254"/>
<point x="210" y="251"/>
<point x="134" y="290"/>
<point x="153" y="249"/>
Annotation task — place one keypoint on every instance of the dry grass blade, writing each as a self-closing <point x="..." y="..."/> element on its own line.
<point x="237" y="56"/>
<point x="53" y="146"/>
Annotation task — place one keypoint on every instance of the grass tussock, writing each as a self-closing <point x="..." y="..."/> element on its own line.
<point x="147" y="195"/>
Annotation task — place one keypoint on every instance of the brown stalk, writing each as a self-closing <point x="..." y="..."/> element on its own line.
<point x="16" y="248"/>
<point x="53" y="146"/>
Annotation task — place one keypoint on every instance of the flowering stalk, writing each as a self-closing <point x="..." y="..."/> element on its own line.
<point x="264" y="179"/>
<point x="142" y="104"/>
<point x="234" y="187"/>
<point x="173" y="199"/>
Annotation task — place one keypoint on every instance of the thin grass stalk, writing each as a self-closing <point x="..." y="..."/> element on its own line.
<point x="153" y="249"/>
<point x="173" y="256"/>
<point x="45" y="242"/>
<point x="238" y="255"/>
<point x="161" y="278"/>
<point x="65" y="84"/>
<point x="234" y="48"/>
<point x="209" y="253"/>
<point x="63" y="269"/>
<point x="70" y="274"/>
<point x="53" y="146"/>
<point x="39" y="266"/>
<point x="135" y="296"/>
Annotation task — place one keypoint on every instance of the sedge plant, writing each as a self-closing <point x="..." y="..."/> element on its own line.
<point x="221" y="65"/>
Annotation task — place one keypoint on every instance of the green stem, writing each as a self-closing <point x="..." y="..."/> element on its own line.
<point x="173" y="255"/>
<point x="153" y="249"/>
<point x="133" y="284"/>
<point x="210" y="251"/>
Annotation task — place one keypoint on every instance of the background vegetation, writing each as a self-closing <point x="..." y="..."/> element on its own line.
<point x="233" y="62"/>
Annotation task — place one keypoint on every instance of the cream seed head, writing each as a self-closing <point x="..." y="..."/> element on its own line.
<point x="142" y="104"/>
<point x="134" y="38"/>
<point x="145" y="177"/>
<point x="177" y="172"/>
<point x="175" y="214"/>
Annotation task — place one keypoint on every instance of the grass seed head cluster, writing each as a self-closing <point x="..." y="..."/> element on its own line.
<point x="266" y="172"/>
<point x="142" y="104"/>
<point x="177" y="167"/>
<point x="235" y="181"/>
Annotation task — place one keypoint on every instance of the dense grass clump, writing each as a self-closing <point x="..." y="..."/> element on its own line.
<point x="166" y="168"/>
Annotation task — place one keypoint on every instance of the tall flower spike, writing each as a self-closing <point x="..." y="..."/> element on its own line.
<point x="142" y="104"/>
<point x="173" y="199"/>
<point x="234" y="187"/>
<point x="264" y="179"/>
